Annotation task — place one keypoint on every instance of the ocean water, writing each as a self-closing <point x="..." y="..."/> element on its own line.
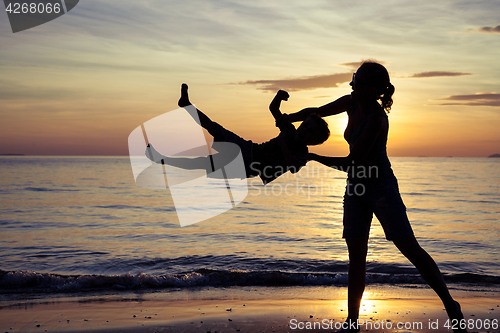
<point x="81" y="223"/>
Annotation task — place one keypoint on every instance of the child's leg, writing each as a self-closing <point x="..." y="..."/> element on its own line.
<point x="205" y="122"/>
<point x="225" y="153"/>
<point x="195" y="163"/>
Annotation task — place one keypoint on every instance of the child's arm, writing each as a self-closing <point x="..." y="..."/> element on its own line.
<point x="274" y="107"/>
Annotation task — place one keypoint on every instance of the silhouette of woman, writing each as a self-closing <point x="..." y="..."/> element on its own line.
<point x="372" y="187"/>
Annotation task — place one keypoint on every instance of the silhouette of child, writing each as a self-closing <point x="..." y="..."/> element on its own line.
<point x="268" y="160"/>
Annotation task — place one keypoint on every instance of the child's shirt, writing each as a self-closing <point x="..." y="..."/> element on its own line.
<point x="268" y="158"/>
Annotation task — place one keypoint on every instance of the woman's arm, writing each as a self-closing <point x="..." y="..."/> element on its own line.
<point x="359" y="151"/>
<point x="339" y="163"/>
<point x="338" y="106"/>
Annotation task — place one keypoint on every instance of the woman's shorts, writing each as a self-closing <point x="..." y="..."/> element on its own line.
<point x="383" y="199"/>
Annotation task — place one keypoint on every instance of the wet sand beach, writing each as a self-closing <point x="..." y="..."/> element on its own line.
<point x="249" y="309"/>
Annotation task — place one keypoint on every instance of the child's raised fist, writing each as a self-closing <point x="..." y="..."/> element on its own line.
<point x="282" y="95"/>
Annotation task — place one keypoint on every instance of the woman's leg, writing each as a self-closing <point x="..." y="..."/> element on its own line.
<point x="430" y="272"/>
<point x="358" y="249"/>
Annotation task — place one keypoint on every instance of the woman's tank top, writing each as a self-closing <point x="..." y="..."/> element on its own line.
<point x="377" y="164"/>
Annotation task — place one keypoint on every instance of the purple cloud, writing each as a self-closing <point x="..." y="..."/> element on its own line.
<point x="302" y="83"/>
<point x="437" y="74"/>
<point x="479" y="99"/>
<point x="485" y="30"/>
<point x="490" y="30"/>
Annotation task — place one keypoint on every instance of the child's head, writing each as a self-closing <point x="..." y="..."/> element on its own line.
<point x="313" y="131"/>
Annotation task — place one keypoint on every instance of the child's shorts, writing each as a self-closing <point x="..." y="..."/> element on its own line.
<point x="246" y="146"/>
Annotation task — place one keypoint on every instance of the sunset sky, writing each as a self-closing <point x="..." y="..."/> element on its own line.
<point x="80" y="84"/>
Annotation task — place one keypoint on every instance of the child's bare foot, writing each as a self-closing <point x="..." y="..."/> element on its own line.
<point x="184" y="100"/>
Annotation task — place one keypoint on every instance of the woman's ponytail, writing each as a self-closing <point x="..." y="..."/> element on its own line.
<point x="386" y="98"/>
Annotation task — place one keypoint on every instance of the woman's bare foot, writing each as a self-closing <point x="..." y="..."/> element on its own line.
<point x="184" y="100"/>
<point x="455" y="314"/>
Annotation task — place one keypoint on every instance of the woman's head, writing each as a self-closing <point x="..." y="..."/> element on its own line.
<point x="374" y="75"/>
